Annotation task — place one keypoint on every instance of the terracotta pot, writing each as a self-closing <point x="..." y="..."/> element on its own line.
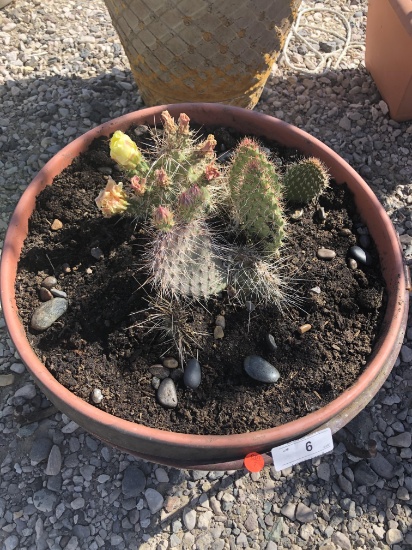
<point x="217" y="452"/>
<point x="388" y="55"/>
<point x="202" y="50"/>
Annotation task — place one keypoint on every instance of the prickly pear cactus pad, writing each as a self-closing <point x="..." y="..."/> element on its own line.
<point x="185" y="262"/>
<point x="305" y="181"/>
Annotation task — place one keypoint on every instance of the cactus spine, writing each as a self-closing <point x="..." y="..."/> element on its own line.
<point x="305" y="181"/>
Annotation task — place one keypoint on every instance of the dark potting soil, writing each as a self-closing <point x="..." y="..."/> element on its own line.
<point x="98" y="342"/>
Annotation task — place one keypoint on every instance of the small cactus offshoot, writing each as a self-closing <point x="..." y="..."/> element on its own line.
<point x="305" y="181"/>
<point x="256" y="195"/>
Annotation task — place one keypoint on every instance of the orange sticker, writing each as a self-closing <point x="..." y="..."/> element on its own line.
<point x="254" y="462"/>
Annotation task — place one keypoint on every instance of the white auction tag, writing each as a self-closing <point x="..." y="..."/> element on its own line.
<point x="311" y="445"/>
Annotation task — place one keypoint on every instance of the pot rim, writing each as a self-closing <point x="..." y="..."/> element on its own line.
<point x="391" y="333"/>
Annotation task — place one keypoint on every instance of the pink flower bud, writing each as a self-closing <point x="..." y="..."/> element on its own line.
<point x="207" y="147"/>
<point x="211" y="172"/>
<point x="169" y="123"/>
<point x="163" y="219"/>
<point x="184" y="124"/>
<point x="191" y="197"/>
<point x="248" y="142"/>
<point x="138" y="184"/>
<point x="162" y="179"/>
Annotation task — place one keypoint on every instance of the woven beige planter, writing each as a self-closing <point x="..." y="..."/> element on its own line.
<point x="202" y="50"/>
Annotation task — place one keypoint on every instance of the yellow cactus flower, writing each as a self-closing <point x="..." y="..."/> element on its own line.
<point x="112" y="200"/>
<point x="124" y="151"/>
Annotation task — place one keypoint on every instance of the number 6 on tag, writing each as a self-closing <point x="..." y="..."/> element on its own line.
<point x="312" y="445"/>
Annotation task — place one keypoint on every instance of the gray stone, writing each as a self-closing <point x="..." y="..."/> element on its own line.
<point x="26" y="392"/>
<point x="251" y="522"/>
<point x="97" y="396"/>
<point x="401" y="440"/>
<point x="44" y="294"/>
<point x="341" y="540"/>
<point x="161" y="475"/>
<point x="402" y="494"/>
<point x="352" y="264"/>
<point x="159" y="371"/>
<point x="6" y="380"/>
<point x="134" y="481"/>
<point x="189" y="518"/>
<point x="96" y="253"/>
<point x="391" y="400"/>
<point x="18" y="368"/>
<point x="82" y="532"/>
<point x="58" y="293"/>
<point x="345" y="484"/>
<point x="203" y="520"/>
<point x="40" y="450"/>
<point x="326" y="254"/>
<point x="289" y="511"/>
<point x="406" y="354"/>
<point x="220" y="321"/>
<point x="115" y="540"/>
<point x="364" y="475"/>
<point x="306" y="531"/>
<point x="77" y="503"/>
<point x="154" y="500"/>
<point x="394" y="536"/>
<point x="44" y="500"/>
<point x="192" y="376"/>
<point x="47" y="313"/>
<point x="218" y="333"/>
<point x="49" y="282"/>
<point x="259" y="369"/>
<point x="11" y="542"/>
<point x="175" y="541"/>
<point x="70" y="427"/>
<point x="54" y="462"/>
<point x="270" y="342"/>
<point x="323" y="471"/>
<point x="360" y="255"/>
<point x="54" y="483"/>
<point x="166" y="393"/>
<point x="170" y="363"/>
<point x="304" y="514"/>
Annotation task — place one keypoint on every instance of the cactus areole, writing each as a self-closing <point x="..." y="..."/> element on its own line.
<point x="174" y="194"/>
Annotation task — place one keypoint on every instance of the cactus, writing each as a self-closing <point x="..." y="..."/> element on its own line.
<point x="256" y="278"/>
<point x="175" y="195"/>
<point x="256" y="196"/>
<point x="305" y="181"/>
<point x="185" y="262"/>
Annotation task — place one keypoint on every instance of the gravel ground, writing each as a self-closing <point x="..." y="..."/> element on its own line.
<point x="63" y="71"/>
